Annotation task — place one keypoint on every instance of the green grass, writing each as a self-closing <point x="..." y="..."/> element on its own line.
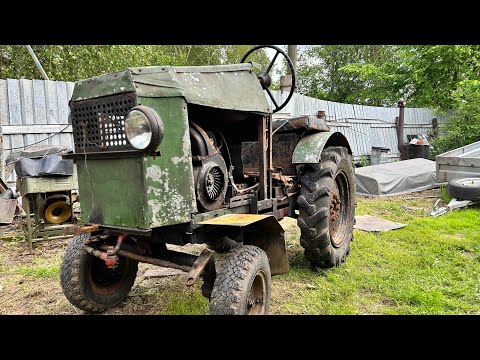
<point x="444" y="194"/>
<point x="38" y="272"/>
<point x="431" y="266"/>
<point x="38" y="269"/>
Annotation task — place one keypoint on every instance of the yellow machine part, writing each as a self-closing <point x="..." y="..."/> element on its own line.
<point x="58" y="212"/>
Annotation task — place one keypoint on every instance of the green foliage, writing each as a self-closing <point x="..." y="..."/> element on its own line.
<point x="319" y="72"/>
<point x="440" y="77"/>
<point x="73" y="62"/>
<point x="424" y="75"/>
<point x="463" y="127"/>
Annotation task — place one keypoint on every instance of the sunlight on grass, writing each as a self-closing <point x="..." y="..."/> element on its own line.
<point x="40" y="268"/>
<point x="431" y="266"/>
<point x="39" y="271"/>
<point x="184" y="300"/>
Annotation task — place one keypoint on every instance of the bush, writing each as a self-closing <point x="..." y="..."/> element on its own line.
<point x="463" y="127"/>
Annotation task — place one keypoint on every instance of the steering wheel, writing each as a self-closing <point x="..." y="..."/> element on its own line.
<point x="264" y="76"/>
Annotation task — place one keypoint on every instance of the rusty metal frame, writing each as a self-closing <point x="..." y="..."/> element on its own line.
<point x="262" y="157"/>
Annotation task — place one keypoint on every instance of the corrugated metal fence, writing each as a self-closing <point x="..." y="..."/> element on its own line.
<point x="32" y="111"/>
<point x="364" y="126"/>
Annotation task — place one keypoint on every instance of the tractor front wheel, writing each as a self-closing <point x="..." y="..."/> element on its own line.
<point x="89" y="284"/>
<point x="243" y="284"/>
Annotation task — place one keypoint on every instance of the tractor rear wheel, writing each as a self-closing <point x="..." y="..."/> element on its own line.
<point x="327" y="208"/>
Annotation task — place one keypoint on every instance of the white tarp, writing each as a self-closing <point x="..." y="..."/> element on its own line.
<point x="396" y="177"/>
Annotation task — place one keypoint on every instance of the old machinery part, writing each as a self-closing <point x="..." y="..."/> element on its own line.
<point x="211" y="182"/>
<point x="144" y="128"/>
<point x="197" y="268"/>
<point x="452" y="205"/>
<point x="213" y="139"/>
<point x="211" y="177"/>
<point x="264" y="76"/>
<point x="202" y="145"/>
<point x="111" y="260"/>
<point x="58" y="212"/>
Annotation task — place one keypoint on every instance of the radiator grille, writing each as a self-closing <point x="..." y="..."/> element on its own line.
<point x="99" y="124"/>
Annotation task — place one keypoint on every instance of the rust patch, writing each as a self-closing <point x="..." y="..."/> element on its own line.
<point x="77" y="230"/>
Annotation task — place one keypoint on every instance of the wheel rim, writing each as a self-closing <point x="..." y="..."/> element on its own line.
<point x="338" y="210"/>
<point x="58" y="212"/>
<point x="103" y="280"/>
<point x="472" y="182"/>
<point x="257" y="295"/>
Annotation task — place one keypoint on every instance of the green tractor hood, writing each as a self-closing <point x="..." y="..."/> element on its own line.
<point x="231" y="87"/>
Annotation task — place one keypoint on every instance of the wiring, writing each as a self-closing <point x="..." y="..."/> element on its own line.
<point x="49" y="137"/>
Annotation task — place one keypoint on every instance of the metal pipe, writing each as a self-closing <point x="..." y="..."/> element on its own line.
<point x="120" y="240"/>
<point x="202" y="147"/>
<point x="149" y="260"/>
<point x="97" y="253"/>
<point x="35" y="59"/>
<point x="198" y="266"/>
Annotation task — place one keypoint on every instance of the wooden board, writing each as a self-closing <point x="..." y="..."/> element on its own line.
<point x="7" y="210"/>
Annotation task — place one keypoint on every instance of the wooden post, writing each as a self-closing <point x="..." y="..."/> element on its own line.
<point x="400" y="125"/>
<point x="435" y="127"/>
<point x="292" y="54"/>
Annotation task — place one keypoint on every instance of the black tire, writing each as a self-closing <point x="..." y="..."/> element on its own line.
<point x="327" y="208"/>
<point x="88" y="284"/>
<point x="223" y="244"/>
<point x="243" y="284"/>
<point x="464" y="188"/>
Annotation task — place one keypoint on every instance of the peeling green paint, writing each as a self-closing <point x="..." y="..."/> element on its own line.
<point x="309" y="148"/>
<point x="169" y="178"/>
<point x="103" y="85"/>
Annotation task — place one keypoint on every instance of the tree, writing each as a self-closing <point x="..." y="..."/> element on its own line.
<point x="74" y="62"/>
<point x="463" y="127"/>
<point x="424" y="75"/>
<point x="319" y="73"/>
<point x="432" y="76"/>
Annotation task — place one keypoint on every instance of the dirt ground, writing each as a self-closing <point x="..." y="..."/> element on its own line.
<point x="29" y="283"/>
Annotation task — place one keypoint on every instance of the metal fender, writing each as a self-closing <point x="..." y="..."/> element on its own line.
<point x="309" y="148"/>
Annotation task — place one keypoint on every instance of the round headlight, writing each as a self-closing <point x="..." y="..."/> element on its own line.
<point x="144" y="128"/>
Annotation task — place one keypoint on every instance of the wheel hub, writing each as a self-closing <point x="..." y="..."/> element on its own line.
<point x="470" y="182"/>
<point x="334" y="207"/>
<point x="335" y="212"/>
<point x="256" y="297"/>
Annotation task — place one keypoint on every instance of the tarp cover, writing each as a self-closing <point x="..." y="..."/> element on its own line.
<point x="396" y="177"/>
<point x="50" y="165"/>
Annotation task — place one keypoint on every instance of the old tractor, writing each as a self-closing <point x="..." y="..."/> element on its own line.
<point x="169" y="155"/>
